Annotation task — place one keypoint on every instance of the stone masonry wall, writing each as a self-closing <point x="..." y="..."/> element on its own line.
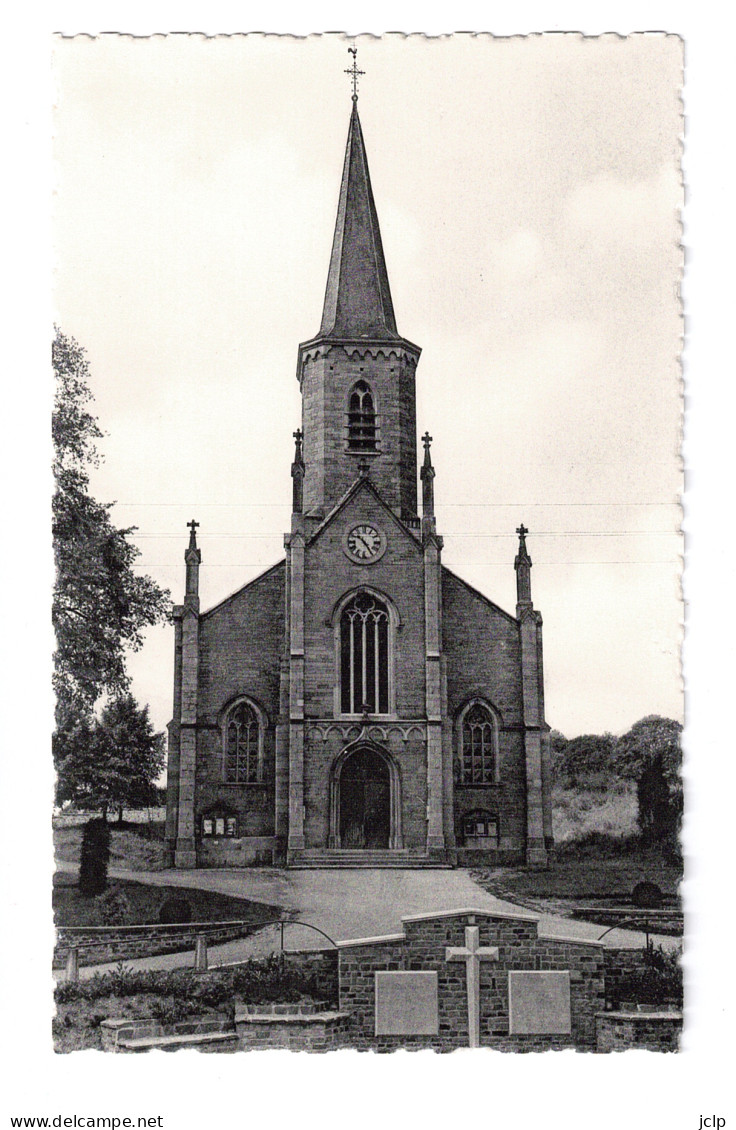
<point x="328" y="375"/>
<point x="482" y="655"/>
<point x="241" y="644"/>
<point x="622" y="1031"/>
<point x="99" y="944"/>
<point x="423" y="948"/>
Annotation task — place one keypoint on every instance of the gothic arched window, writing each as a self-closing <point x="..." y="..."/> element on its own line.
<point x="478" y="745"/>
<point x="361" y="418"/>
<point x="243" y="761"/>
<point x="364" y="656"/>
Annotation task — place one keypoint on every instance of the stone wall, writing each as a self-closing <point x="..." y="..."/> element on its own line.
<point x="240" y="648"/>
<point x="650" y="1031"/>
<point x="422" y="947"/>
<point x="100" y="944"/>
<point x="297" y="1027"/>
<point x="483" y="658"/>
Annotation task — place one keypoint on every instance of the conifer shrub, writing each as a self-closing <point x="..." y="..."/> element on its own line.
<point x="94" y="857"/>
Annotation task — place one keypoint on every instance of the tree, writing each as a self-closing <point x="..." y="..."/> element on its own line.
<point x="651" y="754"/>
<point x="113" y="761"/>
<point x="584" y="755"/>
<point x="100" y="607"/>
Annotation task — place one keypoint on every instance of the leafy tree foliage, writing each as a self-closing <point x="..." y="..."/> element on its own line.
<point x="100" y="607"/>
<point x="584" y="755"/>
<point x="651" y="754"/>
<point x="111" y="761"/>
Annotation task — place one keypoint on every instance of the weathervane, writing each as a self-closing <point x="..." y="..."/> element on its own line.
<point x="354" y="72"/>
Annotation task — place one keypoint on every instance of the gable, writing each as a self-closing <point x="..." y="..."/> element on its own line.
<point x="241" y="642"/>
<point x="481" y="646"/>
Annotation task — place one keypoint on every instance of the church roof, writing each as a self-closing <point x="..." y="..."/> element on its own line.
<point x="358" y="299"/>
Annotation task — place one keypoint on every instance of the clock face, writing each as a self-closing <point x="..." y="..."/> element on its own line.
<point x="364" y="542"/>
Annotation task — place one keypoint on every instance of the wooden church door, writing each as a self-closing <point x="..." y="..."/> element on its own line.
<point x="365" y="801"/>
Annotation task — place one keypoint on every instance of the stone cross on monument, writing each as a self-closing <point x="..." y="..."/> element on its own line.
<point x="472" y="953"/>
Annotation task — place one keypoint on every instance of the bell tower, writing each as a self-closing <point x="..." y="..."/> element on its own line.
<point x="357" y="376"/>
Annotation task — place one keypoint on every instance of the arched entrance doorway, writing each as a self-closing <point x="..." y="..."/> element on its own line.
<point x="364" y="800"/>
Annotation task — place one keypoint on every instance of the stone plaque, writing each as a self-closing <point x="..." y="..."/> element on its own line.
<point x="539" y="1003"/>
<point x="406" y="1004"/>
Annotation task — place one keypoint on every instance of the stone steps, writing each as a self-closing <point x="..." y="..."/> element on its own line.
<point x="202" y="1041"/>
<point x="325" y="858"/>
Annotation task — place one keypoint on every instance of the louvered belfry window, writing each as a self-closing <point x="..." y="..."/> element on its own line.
<point x="242" y="763"/>
<point x="478" y="763"/>
<point x="361" y="419"/>
<point x="364" y="656"/>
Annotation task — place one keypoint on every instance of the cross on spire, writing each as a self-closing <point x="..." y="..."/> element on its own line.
<point x="354" y="72"/>
<point x="192" y="526"/>
<point x="521" y="530"/>
<point x="426" y="440"/>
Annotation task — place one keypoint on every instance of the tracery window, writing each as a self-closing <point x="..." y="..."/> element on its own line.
<point x="364" y="656"/>
<point x="361" y="418"/>
<point x="478" y="746"/>
<point x="242" y="746"/>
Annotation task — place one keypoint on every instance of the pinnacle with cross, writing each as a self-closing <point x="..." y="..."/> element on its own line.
<point x="426" y="440"/>
<point x="298" y="437"/>
<point x="192" y="526"/>
<point x="354" y="72"/>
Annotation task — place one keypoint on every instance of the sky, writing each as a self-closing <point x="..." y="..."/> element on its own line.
<point x="528" y="192"/>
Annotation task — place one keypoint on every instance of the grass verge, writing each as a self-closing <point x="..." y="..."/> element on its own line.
<point x="74" y="909"/>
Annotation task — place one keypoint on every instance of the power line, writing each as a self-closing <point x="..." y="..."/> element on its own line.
<point x="454" y="534"/>
<point x="475" y="563"/>
<point x="477" y="505"/>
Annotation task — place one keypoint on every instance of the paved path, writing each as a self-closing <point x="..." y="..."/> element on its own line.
<point x="350" y="903"/>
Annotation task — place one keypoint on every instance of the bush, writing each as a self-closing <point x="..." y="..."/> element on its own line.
<point x="112" y="908"/>
<point x="658" y="982"/>
<point x="94" y="857"/>
<point x="257" y="981"/>
<point x="175" y="910"/>
<point x="646" y="895"/>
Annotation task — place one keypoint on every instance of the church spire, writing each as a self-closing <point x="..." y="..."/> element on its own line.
<point x="358" y="300"/>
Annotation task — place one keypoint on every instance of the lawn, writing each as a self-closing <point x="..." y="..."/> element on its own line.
<point x="133" y="847"/>
<point x="600" y="804"/>
<point x="599" y="856"/>
<point x="73" y="909"/>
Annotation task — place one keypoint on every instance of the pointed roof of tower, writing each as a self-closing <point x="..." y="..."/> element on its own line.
<point x="358" y="300"/>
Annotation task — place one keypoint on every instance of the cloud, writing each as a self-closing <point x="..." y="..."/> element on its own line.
<point x="632" y="216"/>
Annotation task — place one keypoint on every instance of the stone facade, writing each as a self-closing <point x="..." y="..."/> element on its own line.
<point x="269" y="757"/>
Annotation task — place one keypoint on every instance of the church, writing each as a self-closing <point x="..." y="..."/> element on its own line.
<point x="358" y="704"/>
